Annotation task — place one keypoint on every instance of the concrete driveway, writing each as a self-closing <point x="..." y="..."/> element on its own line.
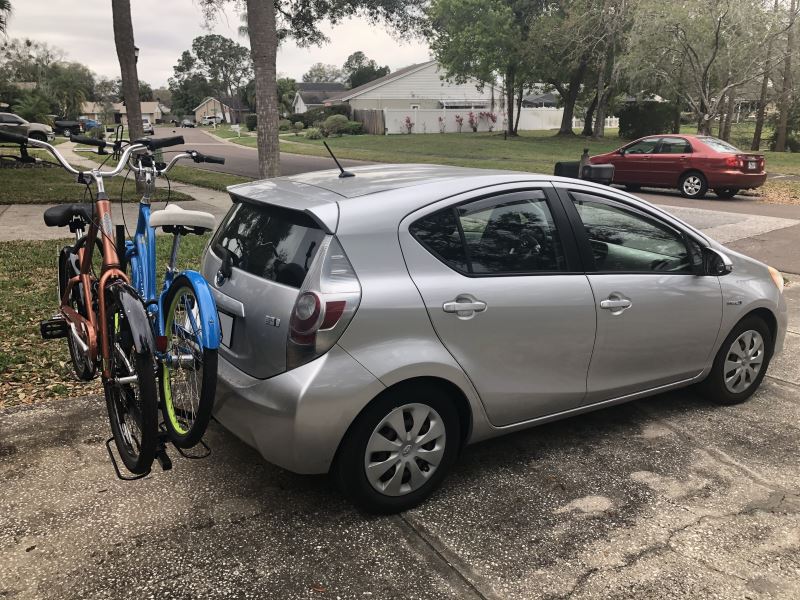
<point x="668" y="497"/>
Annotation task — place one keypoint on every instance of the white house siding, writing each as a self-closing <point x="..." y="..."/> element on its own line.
<point x="424" y="87"/>
<point x="427" y="121"/>
<point x="299" y="106"/>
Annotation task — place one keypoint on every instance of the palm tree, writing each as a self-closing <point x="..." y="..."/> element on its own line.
<point x="123" y="39"/>
<point x="5" y="12"/>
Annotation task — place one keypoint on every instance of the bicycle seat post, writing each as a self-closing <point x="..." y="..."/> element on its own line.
<point x="173" y="257"/>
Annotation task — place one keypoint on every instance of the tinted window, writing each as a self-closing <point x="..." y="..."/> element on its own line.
<point x="439" y="233"/>
<point x="642" y="147"/>
<point x="623" y="240"/>
<point x="674" y="146"/>
<point x="719" y="145"/>
<point x="270" y="242"/>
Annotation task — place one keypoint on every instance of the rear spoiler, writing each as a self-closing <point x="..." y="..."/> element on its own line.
<point x="321" y="205"/>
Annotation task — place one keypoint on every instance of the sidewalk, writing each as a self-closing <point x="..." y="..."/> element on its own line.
<point x="24" y="221"/>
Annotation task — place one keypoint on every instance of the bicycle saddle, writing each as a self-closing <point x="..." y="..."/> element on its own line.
<point x="62" y="214"/>
<point x="174" y="216"/>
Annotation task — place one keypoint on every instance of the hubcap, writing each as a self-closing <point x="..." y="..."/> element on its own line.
<point x="744" y="361"/>
<point x="692" y="185"/>
<point x="405" y="449"/>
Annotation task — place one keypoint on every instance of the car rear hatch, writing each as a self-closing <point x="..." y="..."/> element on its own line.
<point x="747" y="162"/>
<point x="269" y="240"/>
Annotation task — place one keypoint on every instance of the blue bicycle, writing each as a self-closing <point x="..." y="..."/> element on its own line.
<point x="182" y="311"/>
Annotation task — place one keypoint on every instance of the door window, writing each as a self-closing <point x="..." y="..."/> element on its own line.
<point x="624" y="240"/>
<point x="674" y="146"/>
<point x="508" y="234"/>
<point x="643" y="146"/>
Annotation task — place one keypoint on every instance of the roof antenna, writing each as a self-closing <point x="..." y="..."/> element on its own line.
<point x="343" y="172"/>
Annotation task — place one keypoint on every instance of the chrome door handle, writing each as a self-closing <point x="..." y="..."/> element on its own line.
<point x="616" y="303"/>
<point x="464" y="306"/>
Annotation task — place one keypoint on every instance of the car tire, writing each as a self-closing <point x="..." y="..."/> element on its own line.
<point x="693" y="185"/>
<point x="632" y="187"/>
<point x="726" y="193"/>
<point x="750" y="345"/>
<point x="373" y="437"/>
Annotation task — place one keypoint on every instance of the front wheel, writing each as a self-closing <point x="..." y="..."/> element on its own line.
<point x="399" y="449"/>
<point x="188" y="370"/>
<point x="693" y="185"/>
<point x="131" y="395"/>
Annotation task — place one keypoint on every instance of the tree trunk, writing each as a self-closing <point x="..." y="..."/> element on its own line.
<point x="510" y="81"/>
<point x="123" y="39"/>
<point x="520" y="95"/>
<point x="786" y="90"/>
<point x="588" y="119"/>
<point x="572" y="95"/>
<point x="703" y="125"/>
<point x="600" y="117"/>
<point x="264" y="48"/>
<point x="728" y="120"/>
<point x="762" y="101"/>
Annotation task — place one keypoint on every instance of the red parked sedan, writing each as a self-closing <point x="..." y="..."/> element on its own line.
<point x="692" y="163"/>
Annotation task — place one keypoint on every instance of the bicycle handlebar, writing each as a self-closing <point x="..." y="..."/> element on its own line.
<point x="206" y="158"/>
<point x="12" y="138"/>
<point x="156" y="143"/>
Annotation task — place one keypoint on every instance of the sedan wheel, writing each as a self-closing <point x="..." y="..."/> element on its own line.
<point x="726" y="193"/>
<point x="741" y="363"/>
<point x="399" y="449"/>
<point x="693" y="185"/>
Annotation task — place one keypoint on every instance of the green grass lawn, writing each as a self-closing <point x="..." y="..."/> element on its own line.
<point x="33" y="369"/>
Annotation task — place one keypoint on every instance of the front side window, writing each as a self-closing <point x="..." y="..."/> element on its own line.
<point x="647" y="146"/>
<point x="508" y="234"/>
<point x="623" y="240"/>
<point x="674" y="146"/>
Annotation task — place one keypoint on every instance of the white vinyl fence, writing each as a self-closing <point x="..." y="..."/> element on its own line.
<point x="438" y="120"/>
<point x="611" y="122"/>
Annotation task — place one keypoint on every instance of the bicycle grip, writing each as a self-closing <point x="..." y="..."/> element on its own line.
<point x="156" y="143"/>
<point x="217" y="160"/>
<point x="87" y="141"/>
<point x="12" y="138"/>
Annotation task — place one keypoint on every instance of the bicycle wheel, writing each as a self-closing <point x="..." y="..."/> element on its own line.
<point x="131" y="394"/>
<point x="68" y="267"/>
<point x="188" y="373"/>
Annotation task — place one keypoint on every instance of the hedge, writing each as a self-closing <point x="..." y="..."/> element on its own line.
<point x="646" y="118"/>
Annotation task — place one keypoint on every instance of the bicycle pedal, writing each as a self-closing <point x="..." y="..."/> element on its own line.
<point x="54" y="328"/>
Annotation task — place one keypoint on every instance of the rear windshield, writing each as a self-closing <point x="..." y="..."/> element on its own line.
<point x="275" y="243"/>
<point x="719" y="145"/>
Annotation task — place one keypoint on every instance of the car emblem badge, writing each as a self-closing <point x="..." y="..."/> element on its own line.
<point x="272" y="321"/>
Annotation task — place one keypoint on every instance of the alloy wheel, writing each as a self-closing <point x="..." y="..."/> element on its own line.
<point x="405" y="449"/>
<point x="692" y="185"/>
<point x="744" y="361"/>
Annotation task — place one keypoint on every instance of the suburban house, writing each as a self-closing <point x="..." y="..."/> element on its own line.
<point x="231" y="109"/>
<point x="420" y="86"/>
<point x="116" y="112"/>
<point x="315" y="95"/>
<point x="544" y="100"/>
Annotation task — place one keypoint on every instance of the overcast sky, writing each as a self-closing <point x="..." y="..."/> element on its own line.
<point x="165" y="28"/>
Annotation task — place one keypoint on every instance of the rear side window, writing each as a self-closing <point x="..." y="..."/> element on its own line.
<point x="719" y="145"/>
<point x="674" y="146"/>
<point x="270" y="242"/>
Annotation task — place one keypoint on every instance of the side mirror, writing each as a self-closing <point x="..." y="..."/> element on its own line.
<point x="716" y="263"/>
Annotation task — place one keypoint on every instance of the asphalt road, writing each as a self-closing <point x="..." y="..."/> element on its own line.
<point x="668" y="497"/>
<point x="241" y="160"/>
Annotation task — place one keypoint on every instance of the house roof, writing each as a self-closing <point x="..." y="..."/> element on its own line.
<point x="546" y="98"/>
<point x="147" y="107"/>
<point x="317" y="96"/>
<point x="375" y="83"/>
<point x="231" y="102"/>
<point x="320" y="86"/>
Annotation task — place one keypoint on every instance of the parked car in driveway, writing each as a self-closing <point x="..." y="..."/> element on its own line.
<point x="147" y="126"/>
<point x="211" y="120"/>
<point x="11" y="123"/>
<point x="187" y="123"/>
<point x="373" y="325"/>
<point x="691" y="163"/>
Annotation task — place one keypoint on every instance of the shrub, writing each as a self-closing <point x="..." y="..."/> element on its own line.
<point x="314" y="133"/>
<point x="319" y="114"/>
<point x="335" y="124"/>
<point x="646" y="118"/>
<point x="354" y="128"/>
<point x="284" y="125"/>
<point x="298" y="127"/>
<point x="251" y="121"/>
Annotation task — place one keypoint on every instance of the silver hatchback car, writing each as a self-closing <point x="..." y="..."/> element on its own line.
<point x="373" y="325"/>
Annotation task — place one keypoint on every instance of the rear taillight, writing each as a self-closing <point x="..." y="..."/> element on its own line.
<point x="734" y="161"/>
<point x="325" y="306"/>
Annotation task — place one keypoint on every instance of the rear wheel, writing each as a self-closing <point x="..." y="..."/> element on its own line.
<point x="188" y="371"/>
<point x="633" y="187"/>
<point x="741" y="363"/>
<point x="693" y="185"/>
<point x="726" y="193"/>
<point x="131" y="395"/>
<point x="68" y="267"/>
<point x="399" y="449"/>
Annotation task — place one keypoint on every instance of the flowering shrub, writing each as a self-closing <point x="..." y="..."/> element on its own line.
<point x="459" y="122"/>
<point x="442" y="124"/>
<point x="490" y="119"/>
<point x="408" y="124"/>
<point x="473" y="121"/>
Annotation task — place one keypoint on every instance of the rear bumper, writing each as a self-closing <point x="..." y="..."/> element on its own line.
<point x="736" y="179"/>
<point x="296" y="419"/>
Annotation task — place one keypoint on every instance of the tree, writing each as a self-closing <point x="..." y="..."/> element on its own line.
<point x="762" y="100"/>
<point x="358" y="69"/>
<point x="69" y="86"/>
<point x="33" y="107"/>
<point x="319" y="72"/>
<point x="123" y="39"/>
<point x="145" y="92"/>
<point x="163" y="95"/>
<point x="287" y="88"/>
<point x="223" y="62"/>
<point x="781" y="132"/>
<point x="5" y="13"/>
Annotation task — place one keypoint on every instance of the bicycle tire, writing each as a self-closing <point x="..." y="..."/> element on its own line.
<point x="129" y="408"/>
<point x="186" y="407"/>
